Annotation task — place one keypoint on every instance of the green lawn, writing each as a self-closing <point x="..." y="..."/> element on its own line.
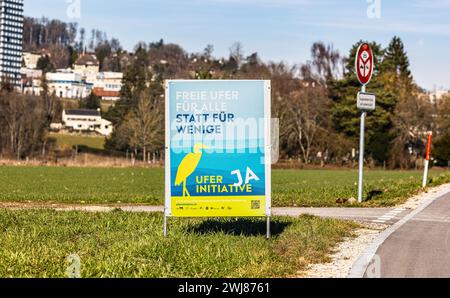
<point x="321" y="188"/>
<point x="142" y="185"/>
<point x="69" y="141"/>
<point x="118" y="244"/>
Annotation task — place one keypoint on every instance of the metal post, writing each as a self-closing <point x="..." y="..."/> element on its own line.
<point x="427" y="160"/>
<point x="361" y="153"/>
<point x="425" y="174"/>
<point x="268" y="227"/>
<point x="165" y="225"/>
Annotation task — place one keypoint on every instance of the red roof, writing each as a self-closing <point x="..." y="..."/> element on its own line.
<point x="102" y="93"/>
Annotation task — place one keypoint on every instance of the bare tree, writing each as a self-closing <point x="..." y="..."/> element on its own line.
<point x="22" y="123"/>
<point x="308" y="116"/>
<point x="237" y="53"/>
<point x="143" y="126"/>
<point x="443" y="116"/>
<point x="326" y="62"/>
<point x="168" y="60"/>
<point x="411" y="122"/>
<point x="59" y="55"/>
<point x="207" y="52"/>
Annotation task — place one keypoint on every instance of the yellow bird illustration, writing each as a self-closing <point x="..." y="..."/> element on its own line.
<point x="188" y="166"/>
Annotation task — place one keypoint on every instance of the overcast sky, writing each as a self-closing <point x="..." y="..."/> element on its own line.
<point x="276" y="29"/>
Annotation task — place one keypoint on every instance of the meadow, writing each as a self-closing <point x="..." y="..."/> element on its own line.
<point x="43" y="243"/>
<point x="38" y="243"/>
<point x="299" y="188"/>
<point x="64" y="141"/>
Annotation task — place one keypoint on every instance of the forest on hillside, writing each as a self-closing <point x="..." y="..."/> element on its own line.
<point x="315" y="100"/>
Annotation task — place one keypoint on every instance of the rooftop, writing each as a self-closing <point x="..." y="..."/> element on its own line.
<point x="83" y="112"/>
<point x="104" y="93"/>
<point x="87" y="59"/>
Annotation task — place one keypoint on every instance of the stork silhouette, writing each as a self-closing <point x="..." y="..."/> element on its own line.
<point x="188" y="166"/>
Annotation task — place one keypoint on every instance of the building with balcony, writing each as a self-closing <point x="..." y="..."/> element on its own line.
<point x="11" y="40"/>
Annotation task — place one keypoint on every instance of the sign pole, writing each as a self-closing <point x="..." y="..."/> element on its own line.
<point x="366" y="102"/>
<point x="361" y="152"/>
<point x="165" y="225"/>
<point x="268" y="227"/>
<point x="427" y="160"/>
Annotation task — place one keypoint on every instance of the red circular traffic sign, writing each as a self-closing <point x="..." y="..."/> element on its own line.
<point x="364" y="63"/>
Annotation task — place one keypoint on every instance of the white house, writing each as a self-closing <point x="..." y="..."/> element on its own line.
<point x="107" y="85"/>
<point x="88" y="67"/>
<point x="31" y="59"/>
<point x="67" y="84"/>
<point x="86" y="120"/>
<point x="437" y="95"/>
<point x="31" y="81"/>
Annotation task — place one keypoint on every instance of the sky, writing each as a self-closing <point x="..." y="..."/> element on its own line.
<point x="279" y="30"/>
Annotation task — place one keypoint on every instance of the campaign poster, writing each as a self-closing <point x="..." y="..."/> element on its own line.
<point x="218" y="148"/>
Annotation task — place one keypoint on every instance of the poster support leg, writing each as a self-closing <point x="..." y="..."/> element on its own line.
<point x="165" y="225"/>
<point x="268" y="228"/>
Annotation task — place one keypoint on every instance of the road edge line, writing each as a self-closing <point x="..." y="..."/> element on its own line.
<point x="359" y="268"/>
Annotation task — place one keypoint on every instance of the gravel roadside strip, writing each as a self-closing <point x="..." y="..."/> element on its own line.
<point x="347" y="252"/>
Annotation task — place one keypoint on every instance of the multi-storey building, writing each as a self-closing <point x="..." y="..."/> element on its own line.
<point x="437" y="95"/>
<point x="107" y="85"/>
<point x="67" y="84"/>
<point x="11" y="39"/>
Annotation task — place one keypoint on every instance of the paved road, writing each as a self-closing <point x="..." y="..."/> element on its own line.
<point x="418" y="248"/>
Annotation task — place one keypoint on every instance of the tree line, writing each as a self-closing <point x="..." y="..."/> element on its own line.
<point x="25" y="121"/>
<point x="62" y="43"/>
<point x="315" y="101"/>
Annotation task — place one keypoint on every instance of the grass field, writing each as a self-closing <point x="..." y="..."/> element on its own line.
<point x="118" y="244"/>
<point x="69" y="141"/>
<point x="146" y="186"/>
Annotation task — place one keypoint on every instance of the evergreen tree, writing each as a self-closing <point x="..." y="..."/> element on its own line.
<point x="73" y="56"/>
<point x="395" y="74"/>
<point x="409" y="117"/>
<point x="92" y="102"/>
<point x="135" y="80"/>
<point x="442" y="151"/>
<point x="346" y="116"/>
<point x="45" y="64"/>
<point x="396" y="60"/>
<point x="138" y="80"/>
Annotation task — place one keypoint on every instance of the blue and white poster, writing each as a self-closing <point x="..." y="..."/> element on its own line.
<point x="217" y="148"/>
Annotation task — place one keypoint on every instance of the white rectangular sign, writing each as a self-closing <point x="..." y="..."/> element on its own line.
<point x="366" y="101"/>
